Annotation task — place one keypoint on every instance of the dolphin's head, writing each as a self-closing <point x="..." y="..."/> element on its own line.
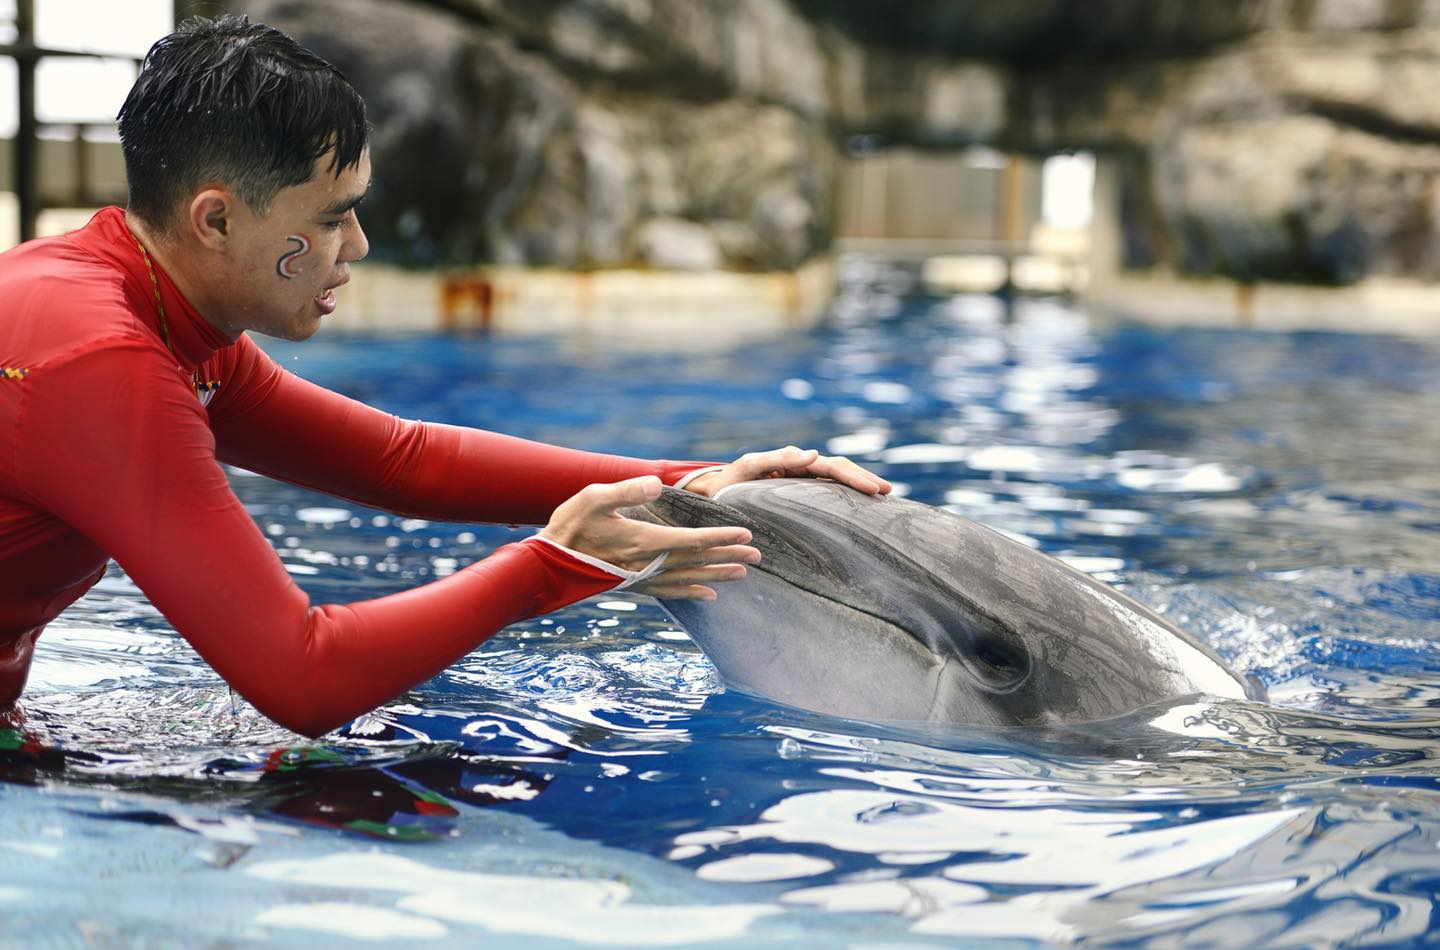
<point x="882" y="608"/>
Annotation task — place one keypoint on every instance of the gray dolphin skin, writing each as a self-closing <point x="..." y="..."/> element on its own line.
<point x="886" y="609"/>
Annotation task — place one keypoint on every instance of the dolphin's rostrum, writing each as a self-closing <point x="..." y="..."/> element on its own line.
<point x="886" y="609"/>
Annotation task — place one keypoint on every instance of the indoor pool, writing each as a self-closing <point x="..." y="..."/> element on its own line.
<point x="585" y="777"/>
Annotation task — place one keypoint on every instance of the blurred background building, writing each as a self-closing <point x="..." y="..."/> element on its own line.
<point x="65" y="66"/>
<point x="566" y="158"/>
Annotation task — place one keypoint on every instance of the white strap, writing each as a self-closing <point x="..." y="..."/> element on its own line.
<point x="629" y="578"/>
<point x="691" y="476"/>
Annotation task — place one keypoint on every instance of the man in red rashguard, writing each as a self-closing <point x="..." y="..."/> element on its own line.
<point x="126" y="378"/>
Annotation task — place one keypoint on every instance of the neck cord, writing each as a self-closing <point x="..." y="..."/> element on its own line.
<point x="155" y="285"/>
<point x="160" y="306"/>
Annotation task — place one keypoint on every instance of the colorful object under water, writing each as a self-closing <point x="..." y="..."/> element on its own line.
<point x="1275" y="494"/>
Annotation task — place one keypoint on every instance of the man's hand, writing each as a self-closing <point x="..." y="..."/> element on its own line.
<point x="591" y="524"/>
<point x="790" y="462"/>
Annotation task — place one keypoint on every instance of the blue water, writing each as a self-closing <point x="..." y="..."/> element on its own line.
<point x="585" y="777"/>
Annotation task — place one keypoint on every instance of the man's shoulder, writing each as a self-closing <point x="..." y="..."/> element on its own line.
<point x="64" y="291"/>
<point x="56" y="258"/>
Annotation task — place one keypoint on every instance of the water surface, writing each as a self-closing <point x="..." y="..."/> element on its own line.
<point x="586" y="777"/>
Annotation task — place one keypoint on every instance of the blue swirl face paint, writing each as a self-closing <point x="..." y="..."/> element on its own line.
<point x="302" y="247"/>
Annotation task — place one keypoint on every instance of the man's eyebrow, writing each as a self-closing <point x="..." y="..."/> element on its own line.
<point x="344" y="205"/>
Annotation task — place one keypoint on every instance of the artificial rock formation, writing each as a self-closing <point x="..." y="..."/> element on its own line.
<point x="1262" y="139"/>
<point x="1301" y="156"/>
<point x="664" y="134"/>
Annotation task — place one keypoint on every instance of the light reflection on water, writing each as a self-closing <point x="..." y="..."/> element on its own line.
<point x="1274" y="494"/>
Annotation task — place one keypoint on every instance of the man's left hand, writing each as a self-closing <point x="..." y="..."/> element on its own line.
<point x="792" y="463"/>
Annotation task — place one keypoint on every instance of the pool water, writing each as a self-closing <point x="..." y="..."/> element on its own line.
<point x="586" y="778"/>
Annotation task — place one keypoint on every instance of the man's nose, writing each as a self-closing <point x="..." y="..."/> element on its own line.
<point x="357" y="245"/>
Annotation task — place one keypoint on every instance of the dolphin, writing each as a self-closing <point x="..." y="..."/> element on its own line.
<point x="881" y="608"/>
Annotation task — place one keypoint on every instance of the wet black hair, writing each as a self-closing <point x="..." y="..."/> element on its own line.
<point x="238" y="104"/>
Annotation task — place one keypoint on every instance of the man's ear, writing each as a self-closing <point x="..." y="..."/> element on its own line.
<point x="211" y="217"/>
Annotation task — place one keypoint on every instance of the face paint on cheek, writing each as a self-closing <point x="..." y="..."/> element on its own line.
<point x="301" y="247"/>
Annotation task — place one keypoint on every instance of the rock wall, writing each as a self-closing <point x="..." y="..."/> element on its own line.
<point x="1310" y="157"/>
<point x="1263" y="139"/>
<point x="620" y="132"/>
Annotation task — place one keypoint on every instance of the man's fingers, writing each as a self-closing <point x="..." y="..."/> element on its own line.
<point x="778" y="461"/>
<point x="590" y="523"/>
<point x="657" y="538"/>
<point x="690" y="583"/>
<point x="847" y="472"/>
<point x="795" y="461"/>
<point x="617" y="495"/>
<point x="681" y="592"/>
<point x="686" y="577"/>
<point x="711" y="574"/>
<point x="724" y="554"/>
<point x="634" y="544"/>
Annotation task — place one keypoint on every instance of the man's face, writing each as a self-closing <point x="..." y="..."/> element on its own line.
<point x="287" y="262"/>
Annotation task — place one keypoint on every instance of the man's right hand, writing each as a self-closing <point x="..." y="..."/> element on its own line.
<point x="590" y="523"/>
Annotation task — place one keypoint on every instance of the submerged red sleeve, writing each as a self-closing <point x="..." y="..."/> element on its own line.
<point x="117" y="445"/>
<point x="271" y="421"/>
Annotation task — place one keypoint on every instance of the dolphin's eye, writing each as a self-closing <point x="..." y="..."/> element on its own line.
<point x="998" y="664"/>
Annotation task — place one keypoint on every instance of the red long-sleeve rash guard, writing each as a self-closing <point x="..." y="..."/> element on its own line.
<point x="112" y="449"/>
